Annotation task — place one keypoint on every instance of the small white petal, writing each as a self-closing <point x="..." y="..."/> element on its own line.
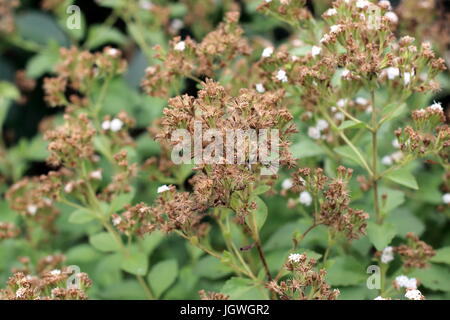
<point x="446" y="198"/>
<point x="163" y="188"/>
<point x="260" y="88"/>
<point x="116" y="125"/>
<point x="315" y="51"/>
<point x="267" y="52"/>
<point x="180" y="46"/>
<point x="305" y="198"/>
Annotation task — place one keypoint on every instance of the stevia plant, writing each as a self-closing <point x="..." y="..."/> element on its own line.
<point x="354" y="179"/>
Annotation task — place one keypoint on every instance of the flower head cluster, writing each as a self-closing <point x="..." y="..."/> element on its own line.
<point x="403" y="281"/>
<point x="416" y="253"/>
<point x="45" y="286"/>
<point x="8" y="230"/>
<point x="34" y="198"/>
<point x="72" y="142"/>
<point x="209" y="295"/>
<point x="186" y="58"/>
<point x="428" y="133"/>
<point x="7" y="7"/>
<point x="304" y="282"/>
<point x="334" y="208"/>
<point x="78" y="71"/>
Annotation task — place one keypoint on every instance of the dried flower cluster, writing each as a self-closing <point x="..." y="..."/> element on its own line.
<point x="305" y="283"/>
<point x="50" y="282"/>
<point x="416" y="253"/>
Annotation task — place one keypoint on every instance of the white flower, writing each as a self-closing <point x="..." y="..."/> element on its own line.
<point x="392" y="17"/>
<point x="287" y="184"/>
<point x="116" y="221"/>
<point x="106" y="125"/>
<point x="384" y="4"/>
<point x="395" y="143"/>
<point x="314" y="133"/>
<point x="281" y="75"/>
<point x="336" y="28"/>
<point x="97" y="174"/>
<point x="268" y="1"/>
<point x="330" y="12"/>
<point x="339" y="116"/>
<point x="345" y="73"/>
<point x="305" y="198"/>
<point x="401" y="281"/>
<point x="436" y="106"/>
<point x="315" y="51"/>
<point x="260" y="88"/>
<point x="163" y="188"/>
<point x="446" y="198"/>
<point x="411" y="284"/>
<point x="55" y="272"/>
<point x="361" y="101"/>
<point x="32" y="209"/>
<point x="325" y="38"/>
<point x="397" y="156"/>
<point x="267" y="52"/>
<point x="295" y="257"/>
<point x="322" y="124"/>
<point x="180" y="46"/>
<point x="392" y="73"/>
<point x="407" y="77"/>
<point x="116" y="125"/>
<point x="145" y="4"/>
<point x="341" y="103"/>
<point x="380" y="298"/>
<point x="361" y="4"/>
<point x="68" y="188"/>
<point x="414" y="295"/>
<point x="387" y="255"/>
<point x="20" y="293"/>
<point x="113" y="52"/>
<point x="387" y="161"/>
<point x="176" y="24"/>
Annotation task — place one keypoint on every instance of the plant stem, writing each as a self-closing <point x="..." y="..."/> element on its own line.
<point x="263" y="259"/>
<point x="374" y="174"/>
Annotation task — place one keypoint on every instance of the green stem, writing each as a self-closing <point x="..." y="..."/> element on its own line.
<point x="374" y="175"/>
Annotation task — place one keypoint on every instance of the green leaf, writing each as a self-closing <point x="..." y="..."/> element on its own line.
<point x="162" y="276"/>
<point x="211" y="268"/>
<point x="104" y="242"/>
<point x="107" y="270"/>
<point x="82" y="253"/>
<point x="405" y="221"/>
<point x="393" y="110"/>
<point x="394" y="198"/>
<point x="261" y="189"/>
<point x="135" y="262"/>
<point x="120" y="201"/>
<point x="243" y="289"/>
<point x="435" y="277"/>
<point x="403" y="177"/>
<point x="348" y="153"/>
<point x="151" y="241"/>
<point x="99" y="35"/>
<point x="40" y="28"/>
<point x="348" y="124"/>
<point x="44" y="61"/>
<point x="306" y="148"/>
<point x="346" y="271"/>
<point x="381" y="235"/>
<point x="81" y="216"/>
<point x="8" y="93"/>
<point x="442" y="255"/>
<point x="257" y="217"/>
